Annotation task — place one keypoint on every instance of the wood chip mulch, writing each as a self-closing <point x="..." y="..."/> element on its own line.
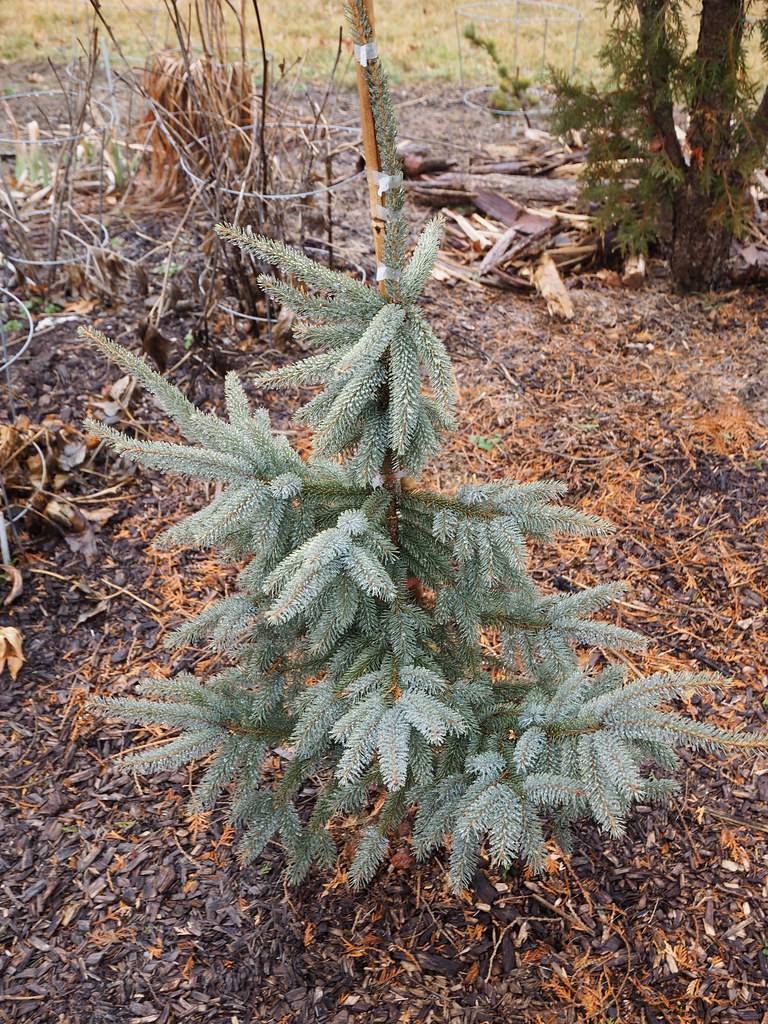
<point x="117" y="908"/>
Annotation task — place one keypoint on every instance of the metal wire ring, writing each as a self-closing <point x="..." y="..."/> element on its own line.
<point x="30" y="333"/>
<point x="265" y="196"/>
<point x="55" y="141"/>
<point x="469" y="101"/>
<point x="21" y="262"/>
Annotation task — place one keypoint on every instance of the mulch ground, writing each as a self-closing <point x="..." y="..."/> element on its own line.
<point x="117" y="907"/>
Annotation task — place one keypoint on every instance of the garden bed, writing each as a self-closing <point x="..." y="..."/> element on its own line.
<point x="120" y="909"/>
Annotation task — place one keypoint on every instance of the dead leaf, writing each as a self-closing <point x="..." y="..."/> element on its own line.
<point x="283" y="325"/>
<point x="99" y="515"/>
<point x="17" y="583"/>
<point x="154" y="344"/>
<point x="73" y="454"/>
<point x="11" y="656"/>
<point x="120" y="393"/>
<point x="8" y="436"/>
<point x="66" y="516"/>
<point x="91" y="613"/>
<point x="83" y="543"/>
<point x="82" y="306"/>
<point x="122" y="389"/>
<point x="85" y="588"/>
<point x="111" y="411"/>
<point x="402" y="859"/>
<point x="77" y="530"/>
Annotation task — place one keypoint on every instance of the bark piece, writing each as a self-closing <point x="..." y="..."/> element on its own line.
<point x="496" y="206"/>
<point x="453" y="187"/>
<point x="417" y="161"/>
<point x="634" y="272"/>
<point x="498" y="251"/>
<point x="550" y="285"/>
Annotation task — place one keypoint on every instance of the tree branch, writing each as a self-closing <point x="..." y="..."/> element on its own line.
<point x="655" y="45"/>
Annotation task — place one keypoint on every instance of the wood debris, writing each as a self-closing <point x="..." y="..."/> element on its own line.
<point x="550" y="286"/>
<point x="525" y="198"/>
<point x="634" y="272"/>
<point x="506" y="256"/>
<point x="459" y="188"/>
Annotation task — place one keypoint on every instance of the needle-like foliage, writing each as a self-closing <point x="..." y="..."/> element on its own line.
<point x="676" y="128"/>
<point x="387" y="640"/>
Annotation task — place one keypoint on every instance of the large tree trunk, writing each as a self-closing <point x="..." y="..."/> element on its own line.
<point x="700" y="247"/>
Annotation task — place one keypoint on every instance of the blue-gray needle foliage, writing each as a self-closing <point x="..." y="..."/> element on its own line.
<point x="386" y="638"/>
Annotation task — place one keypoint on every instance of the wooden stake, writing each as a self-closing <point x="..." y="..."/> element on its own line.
<point x="371" y="153"/>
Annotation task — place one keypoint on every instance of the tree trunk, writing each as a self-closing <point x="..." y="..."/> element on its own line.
<point x="700" y="247"/>
<point x="701" y="241"/>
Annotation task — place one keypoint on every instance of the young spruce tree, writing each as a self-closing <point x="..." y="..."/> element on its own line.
<point x="385" y="637"/>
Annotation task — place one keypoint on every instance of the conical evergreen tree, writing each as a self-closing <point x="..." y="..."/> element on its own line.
<point x="389" y="636"/>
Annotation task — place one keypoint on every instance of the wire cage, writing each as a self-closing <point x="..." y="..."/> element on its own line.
<point x="299" y="153"/>
<point x="38" y="126"/>
<point x="16" y="332"/>
<point x="53" y="165"/>
<point x="337" y="257"/>
<point x="518" y="41"/>
<point x="305" y="163"/>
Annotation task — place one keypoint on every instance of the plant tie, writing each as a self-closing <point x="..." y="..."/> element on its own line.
<point x="365" y="52"/>
<point x="385" y="182"/>
<point x="385" y="273"/>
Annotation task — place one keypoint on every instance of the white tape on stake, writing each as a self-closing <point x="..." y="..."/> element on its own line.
<point x="365" y="52"/>
<point x="385" y="182"/>
<point x="385" y="273"/>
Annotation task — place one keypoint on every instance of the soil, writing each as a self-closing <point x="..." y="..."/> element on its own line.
<point x="118" y="908"/>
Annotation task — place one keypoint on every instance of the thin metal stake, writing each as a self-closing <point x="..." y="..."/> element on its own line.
<point x="516" y="62"/>
<point x="458" y="50"/>
<point x="575" y="47"/>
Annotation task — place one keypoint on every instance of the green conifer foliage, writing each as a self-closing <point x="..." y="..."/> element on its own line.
<point x="359" y="635"/>
<point x="677" y="130"/>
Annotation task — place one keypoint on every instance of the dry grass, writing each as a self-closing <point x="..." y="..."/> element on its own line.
<point x="420" y="41"/>
<point x="223" y="93"/>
